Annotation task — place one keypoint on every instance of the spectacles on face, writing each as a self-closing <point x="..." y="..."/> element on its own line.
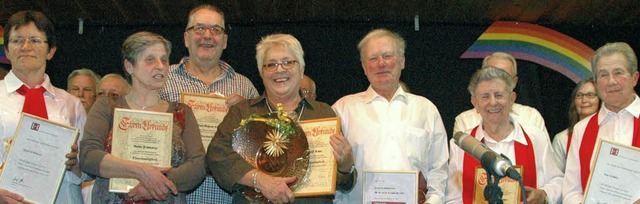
<point x="307" y="93"/>
<point x="589" y="95"/>
<point x="287" y="64"/>
<point x="201" y="29"/>
<point x="19" y="41"/>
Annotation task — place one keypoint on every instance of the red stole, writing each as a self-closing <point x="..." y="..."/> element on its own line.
<point x="589" y="142"/>
<point x="525" y="156"/>
<point x="570" y="135"/>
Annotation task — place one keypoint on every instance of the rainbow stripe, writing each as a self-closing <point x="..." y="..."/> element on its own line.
<point x="537" y="44"/>
<point x="3" y="57"/>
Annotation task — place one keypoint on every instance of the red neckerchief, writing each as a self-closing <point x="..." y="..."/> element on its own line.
<point x="570" y="133"/>
<point x="524" y="156"/>
<point x="589" y="142"/>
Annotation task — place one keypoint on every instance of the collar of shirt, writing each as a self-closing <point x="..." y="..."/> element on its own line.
<point x="370" y="95"/>
<point x="633" y="109"/>
<point x="516" y="135"/>
<point x="13" y="83"/>
<point x="226" y="68"/>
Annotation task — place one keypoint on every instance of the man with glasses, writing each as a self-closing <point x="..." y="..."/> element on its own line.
<point x="204" y="73"/>
<point x="308" y="88"/>
<point x="390" y="129"/>
<point x="31" y="42"/>
<point x="524" y="114"/>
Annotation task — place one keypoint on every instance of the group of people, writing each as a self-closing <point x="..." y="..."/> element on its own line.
<point x="383" y="128"/>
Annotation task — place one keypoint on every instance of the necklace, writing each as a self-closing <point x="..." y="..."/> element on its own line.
<point x="292" y="113"/>
<point x="141" y="106"/>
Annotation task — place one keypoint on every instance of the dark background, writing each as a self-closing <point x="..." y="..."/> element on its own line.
<point x="433" y="67"/>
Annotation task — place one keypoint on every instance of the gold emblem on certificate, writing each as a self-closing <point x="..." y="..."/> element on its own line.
<point x="510" y="188"/>
<point x="321" y="175"/>
<point x="34" y="167"/>
<point x="141" y="136"/>
<point x="275" y="145"/>
<point x="209" y="111"/>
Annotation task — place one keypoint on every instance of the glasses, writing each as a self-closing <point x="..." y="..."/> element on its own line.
<point x="589" y="95"/>
<point x="307" y="93"/>
<point x="19" y="41"/>
<point x="201" y="30"/>
<point x="287" y="64"/>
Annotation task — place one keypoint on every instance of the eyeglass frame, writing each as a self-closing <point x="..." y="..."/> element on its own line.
<point x="211" y="29"/>
<point x="33" y="40"/>
<point x="282" y="64"/>
<point x="304" y="92"/>
<point x="589" y="95"/>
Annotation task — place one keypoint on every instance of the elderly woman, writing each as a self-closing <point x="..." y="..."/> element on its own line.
<point x="146" y="59"/>
<point x="585" y="102"/>
<point x="492" y="96"/>
<point x="281" y="64"/>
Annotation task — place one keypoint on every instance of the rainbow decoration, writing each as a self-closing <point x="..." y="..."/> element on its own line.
<point x="536" y="44"/>
<point x="3" y="57"/>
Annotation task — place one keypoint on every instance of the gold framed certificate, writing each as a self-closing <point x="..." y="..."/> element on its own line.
<point x="321" y="175"/>
<point x="392" y="187"/>
<point x="34" y="167"/>
<point x="141" y="136"/>
<point x="510" y="188"/>
<point x="209" y="111"/>
<point x="615" y="176"/>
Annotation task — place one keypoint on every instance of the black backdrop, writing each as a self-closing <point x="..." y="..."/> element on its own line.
<point x="433" y="67"/>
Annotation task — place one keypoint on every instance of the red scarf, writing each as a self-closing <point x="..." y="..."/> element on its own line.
<point x="524" y="156"/>
<point x="589" y="142"/>
<point x="570" y="135"/>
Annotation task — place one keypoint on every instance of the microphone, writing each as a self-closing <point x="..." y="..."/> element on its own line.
<point x="491" y="161"/>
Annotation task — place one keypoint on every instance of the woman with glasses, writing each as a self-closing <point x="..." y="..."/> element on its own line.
<point x="146" y="60"/>
<point x="584" y="102"/>
<point x="281" y="65"/>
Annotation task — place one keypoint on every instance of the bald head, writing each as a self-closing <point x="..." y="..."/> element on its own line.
<point x="308" y="88"/>
<point x="113" y="85"/>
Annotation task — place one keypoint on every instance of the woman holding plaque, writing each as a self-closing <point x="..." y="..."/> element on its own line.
<point x="146" y="59"/>
<point x="281" y="65"/>
<point x="524" y="145"/>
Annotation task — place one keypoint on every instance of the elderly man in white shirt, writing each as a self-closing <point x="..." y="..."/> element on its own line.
<point x="524" y="114"/>
<point x="29" y="43"/>
<point x="388" y="128"/>
<point x="492" y="96"/>
<point x="615" y="69"/>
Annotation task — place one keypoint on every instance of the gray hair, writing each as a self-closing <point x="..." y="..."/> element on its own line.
<point x="612" y="48"/>
<point x="83" y="72"/>
<point x="289" y="42"/>
<point x="135" y="44"/>
<point x="398" y="41"/>
<point x="490" y="73"/>
<point x="206" y="7"/>
<point x="502" y="55"/>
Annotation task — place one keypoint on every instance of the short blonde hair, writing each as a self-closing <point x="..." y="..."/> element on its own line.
<point x="289" y="42"/>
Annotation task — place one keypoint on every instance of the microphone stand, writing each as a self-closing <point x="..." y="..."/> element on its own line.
<point x="492" y="192"/>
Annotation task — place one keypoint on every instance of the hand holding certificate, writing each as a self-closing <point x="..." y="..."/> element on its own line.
<point x="321" y="175"/>
<point x="140" y="136"/>
<point x="35" y="164"/>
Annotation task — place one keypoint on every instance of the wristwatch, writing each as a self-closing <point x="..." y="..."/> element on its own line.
<point x="353" y="168"/>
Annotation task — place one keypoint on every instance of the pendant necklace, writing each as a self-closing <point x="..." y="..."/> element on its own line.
<point x="141" y="106"/>
<point x="292" y="113"/>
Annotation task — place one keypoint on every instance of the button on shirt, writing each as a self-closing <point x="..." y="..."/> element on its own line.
<point x="405" y="133"/>
<point x="62" y="108"/>
<point x="549" y="176"/>
<point x="616" y="127"/>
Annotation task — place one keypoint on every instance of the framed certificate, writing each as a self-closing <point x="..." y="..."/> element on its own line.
<point x="141" y="136"/>
<point x="321" y="175"/>
<point x="390" y="187"/>
<point x="209" y="111"/>
<point x="34" y="167"/>
<point x="510" y="188"/>
<point x="615" y="176"/>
